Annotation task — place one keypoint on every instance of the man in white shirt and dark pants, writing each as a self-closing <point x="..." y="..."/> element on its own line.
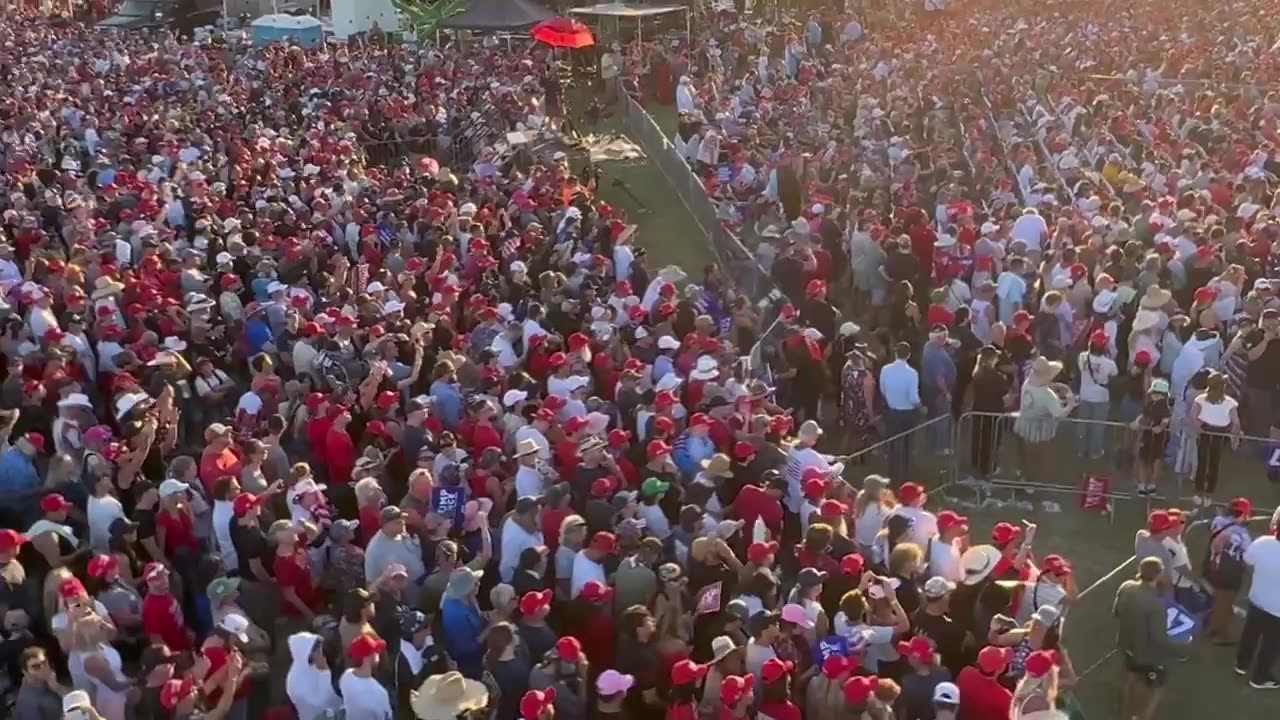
<point x="1262" y="623"/>
<point x="900" y="386"/>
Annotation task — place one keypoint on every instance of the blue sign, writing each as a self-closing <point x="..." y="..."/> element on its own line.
<point x="834" y="645"/>
<point x="1180" y="623"/>
<point x="447" y="502"/>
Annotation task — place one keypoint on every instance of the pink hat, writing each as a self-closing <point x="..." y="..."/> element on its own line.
<point x="612" y="682"/>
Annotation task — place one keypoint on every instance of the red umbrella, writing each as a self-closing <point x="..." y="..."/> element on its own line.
<point x="563" y="32"/>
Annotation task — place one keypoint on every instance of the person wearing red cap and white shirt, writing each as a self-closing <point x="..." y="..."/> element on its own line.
<point x="924" y="524"/>
<point x="74" y="601"/>
<point x="1096" y="372"/>
<point x="1055" y="586"/>
<point x="982" y="697"/>
<point x="943" y="551"/>
<point x="363" y="696"/>
<point x="588" y="564"/>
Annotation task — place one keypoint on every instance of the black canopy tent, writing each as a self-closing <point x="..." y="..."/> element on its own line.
<point x="495" y="15"/>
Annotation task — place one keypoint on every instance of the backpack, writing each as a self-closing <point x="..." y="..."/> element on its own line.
<point x="330" y="370"/>
<point x="1224" y="568"/>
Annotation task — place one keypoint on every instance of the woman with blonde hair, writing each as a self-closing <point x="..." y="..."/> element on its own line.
<point x="573" y="535"/>
<point x="1037" y="691"/>
<point x="95" y="666"/>
<point x="872" y="506"/>
<point x="1214" y="414"/>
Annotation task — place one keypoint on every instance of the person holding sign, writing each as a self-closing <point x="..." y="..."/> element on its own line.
<point x="1144" y="640"/>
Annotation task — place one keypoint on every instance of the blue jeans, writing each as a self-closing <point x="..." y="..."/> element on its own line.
<point x="1091" y="433"/>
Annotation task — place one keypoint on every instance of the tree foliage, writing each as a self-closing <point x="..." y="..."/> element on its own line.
<point x="424" y="16"/>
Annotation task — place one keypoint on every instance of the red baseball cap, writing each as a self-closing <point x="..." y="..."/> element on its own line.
<point x="557" y="359"/>
<point x="605" y="542"/>
<point x="1055" y="564"/>
<point x="575" y="423"/>
<point x="948" y="519"/>
<point x="663" y="425"/>
<point x="857" y="689"/>
<point x="578" y="340"/>
<point x="919" y="647"/>
<point x="1004" y="533"/>
<point x="758" y="552"/>
<point x="836" y="665"/>
<point x="815" y="487"/>
<point x="775" y="669"/>
<point x="11" y="539"/>
<point x="569" y="648"/>
<point x="595" y="591"/>
<point x="54" y="502"/>
<point x="619" y="437"/>
<point x="387" y="398"/>
<point x="555" y="403"/>
<point x="100" y="565"/>
<point x="664" y="398"/>
<point x="244" y="502"/>
<point x="656" y="449"/>
<point x="1241" y="506"/>
<point x="687" y="671"/>
<point x="36" y="441"/>
<point x="815" y="287"/>
<point x="735" y="687"/>
<point x="700" y="420"/>
<point x="910" y="492"/>
<point x="602" y="487"/>
<point x="832" y="508"/>
<point x="71" y="588"/>
<point x="743" y="449"/>
<point x="365" y="646"/>
<point x="992" y="659"/>
<point x="535" y="702"/>
<point x="852" y="564"/>
<point x="534" y="601"/>
<point x="1039" y="663"/>
<point x="1159" y="521"/>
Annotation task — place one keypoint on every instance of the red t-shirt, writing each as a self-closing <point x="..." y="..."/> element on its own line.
<point x="484" y="436"/>
<point x="293" y="571"/>
<point x="567" y="456"/>
<point x="340" y="454"/>
<point x="369" y="524"/>
<point x="781" y="710"/>
<point x="753" y="502"/>
<point x="162" y="617"/>
<point x="179" y="531"/>
<point x="217" y="657"/>
<point x="317" y="431"/>
<point x="684" y="711"/>
<point x="552" y="517"/>
<point x="982" y="697"/>
<point x="214" y="465"/>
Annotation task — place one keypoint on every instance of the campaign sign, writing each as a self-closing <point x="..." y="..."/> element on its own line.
<point x="826" y="647"/>
<point x="709" y="599"/>
<point x="447" y="503"/>
<point x="1180" y="624"/>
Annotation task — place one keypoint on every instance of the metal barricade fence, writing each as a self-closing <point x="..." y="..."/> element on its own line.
<point x="1075" y="449"/>
<point x="736" y="262"/>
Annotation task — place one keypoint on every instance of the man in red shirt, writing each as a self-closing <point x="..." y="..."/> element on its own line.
<point x="339" y="449"/>
<point x="300" y="597"/>
<point x="318" y="425"/>
<point x="220" y="457"/>
<point x="982" y="697"/>
<point x="762" y="499"/>
<point x="162" y="618"/>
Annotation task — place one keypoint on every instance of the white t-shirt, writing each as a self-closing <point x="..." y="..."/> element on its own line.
<point x="879" y="646"/>
<point x="757" y="656"/>
<point x="223" y="515"/>
<point x="528" y="482"/>
<point x="656" y="522"/>
<point x="1029" y="228"/>
<point x="101" y="512"/>
<point x="1038" y="594"/>
<point x="364" y="698"/>
<point x="944" y="560"/>
<point x="1178" y="558"/>
<point x="867" y="525"/>
<point x="1263" y="556"/>
<point x="515" y="540"/>
<point x="1095" y="373"/>
<point x="1216" y="414"/>
<point x="584" y="570"/>
<point x="924" y="524"/>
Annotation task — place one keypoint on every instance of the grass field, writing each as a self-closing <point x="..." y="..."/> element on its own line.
<point x="1100" y="546"/>
<point x="667" y="230"/>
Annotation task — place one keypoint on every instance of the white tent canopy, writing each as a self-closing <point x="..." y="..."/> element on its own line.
<point x="624" y="10"/>
<point x="639" y="12"/>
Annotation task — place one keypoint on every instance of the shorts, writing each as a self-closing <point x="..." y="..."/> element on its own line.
<point x="1152" y="675"/>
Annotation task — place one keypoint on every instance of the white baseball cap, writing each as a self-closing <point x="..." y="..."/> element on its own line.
<point x="946" y="693"/>
<point x="237" y="625"/>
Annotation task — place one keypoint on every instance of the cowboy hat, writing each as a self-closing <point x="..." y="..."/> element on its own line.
<point x="978" y="562"/>
<point x="106" y="286"/>
<point x="1145" y="320"/>
<point x="1043" y="371"/>
<point x="444" y="697"/>
<point x="1155" y="298"/>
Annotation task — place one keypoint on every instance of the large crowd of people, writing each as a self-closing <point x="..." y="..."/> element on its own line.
<point x="316" y="404"/>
